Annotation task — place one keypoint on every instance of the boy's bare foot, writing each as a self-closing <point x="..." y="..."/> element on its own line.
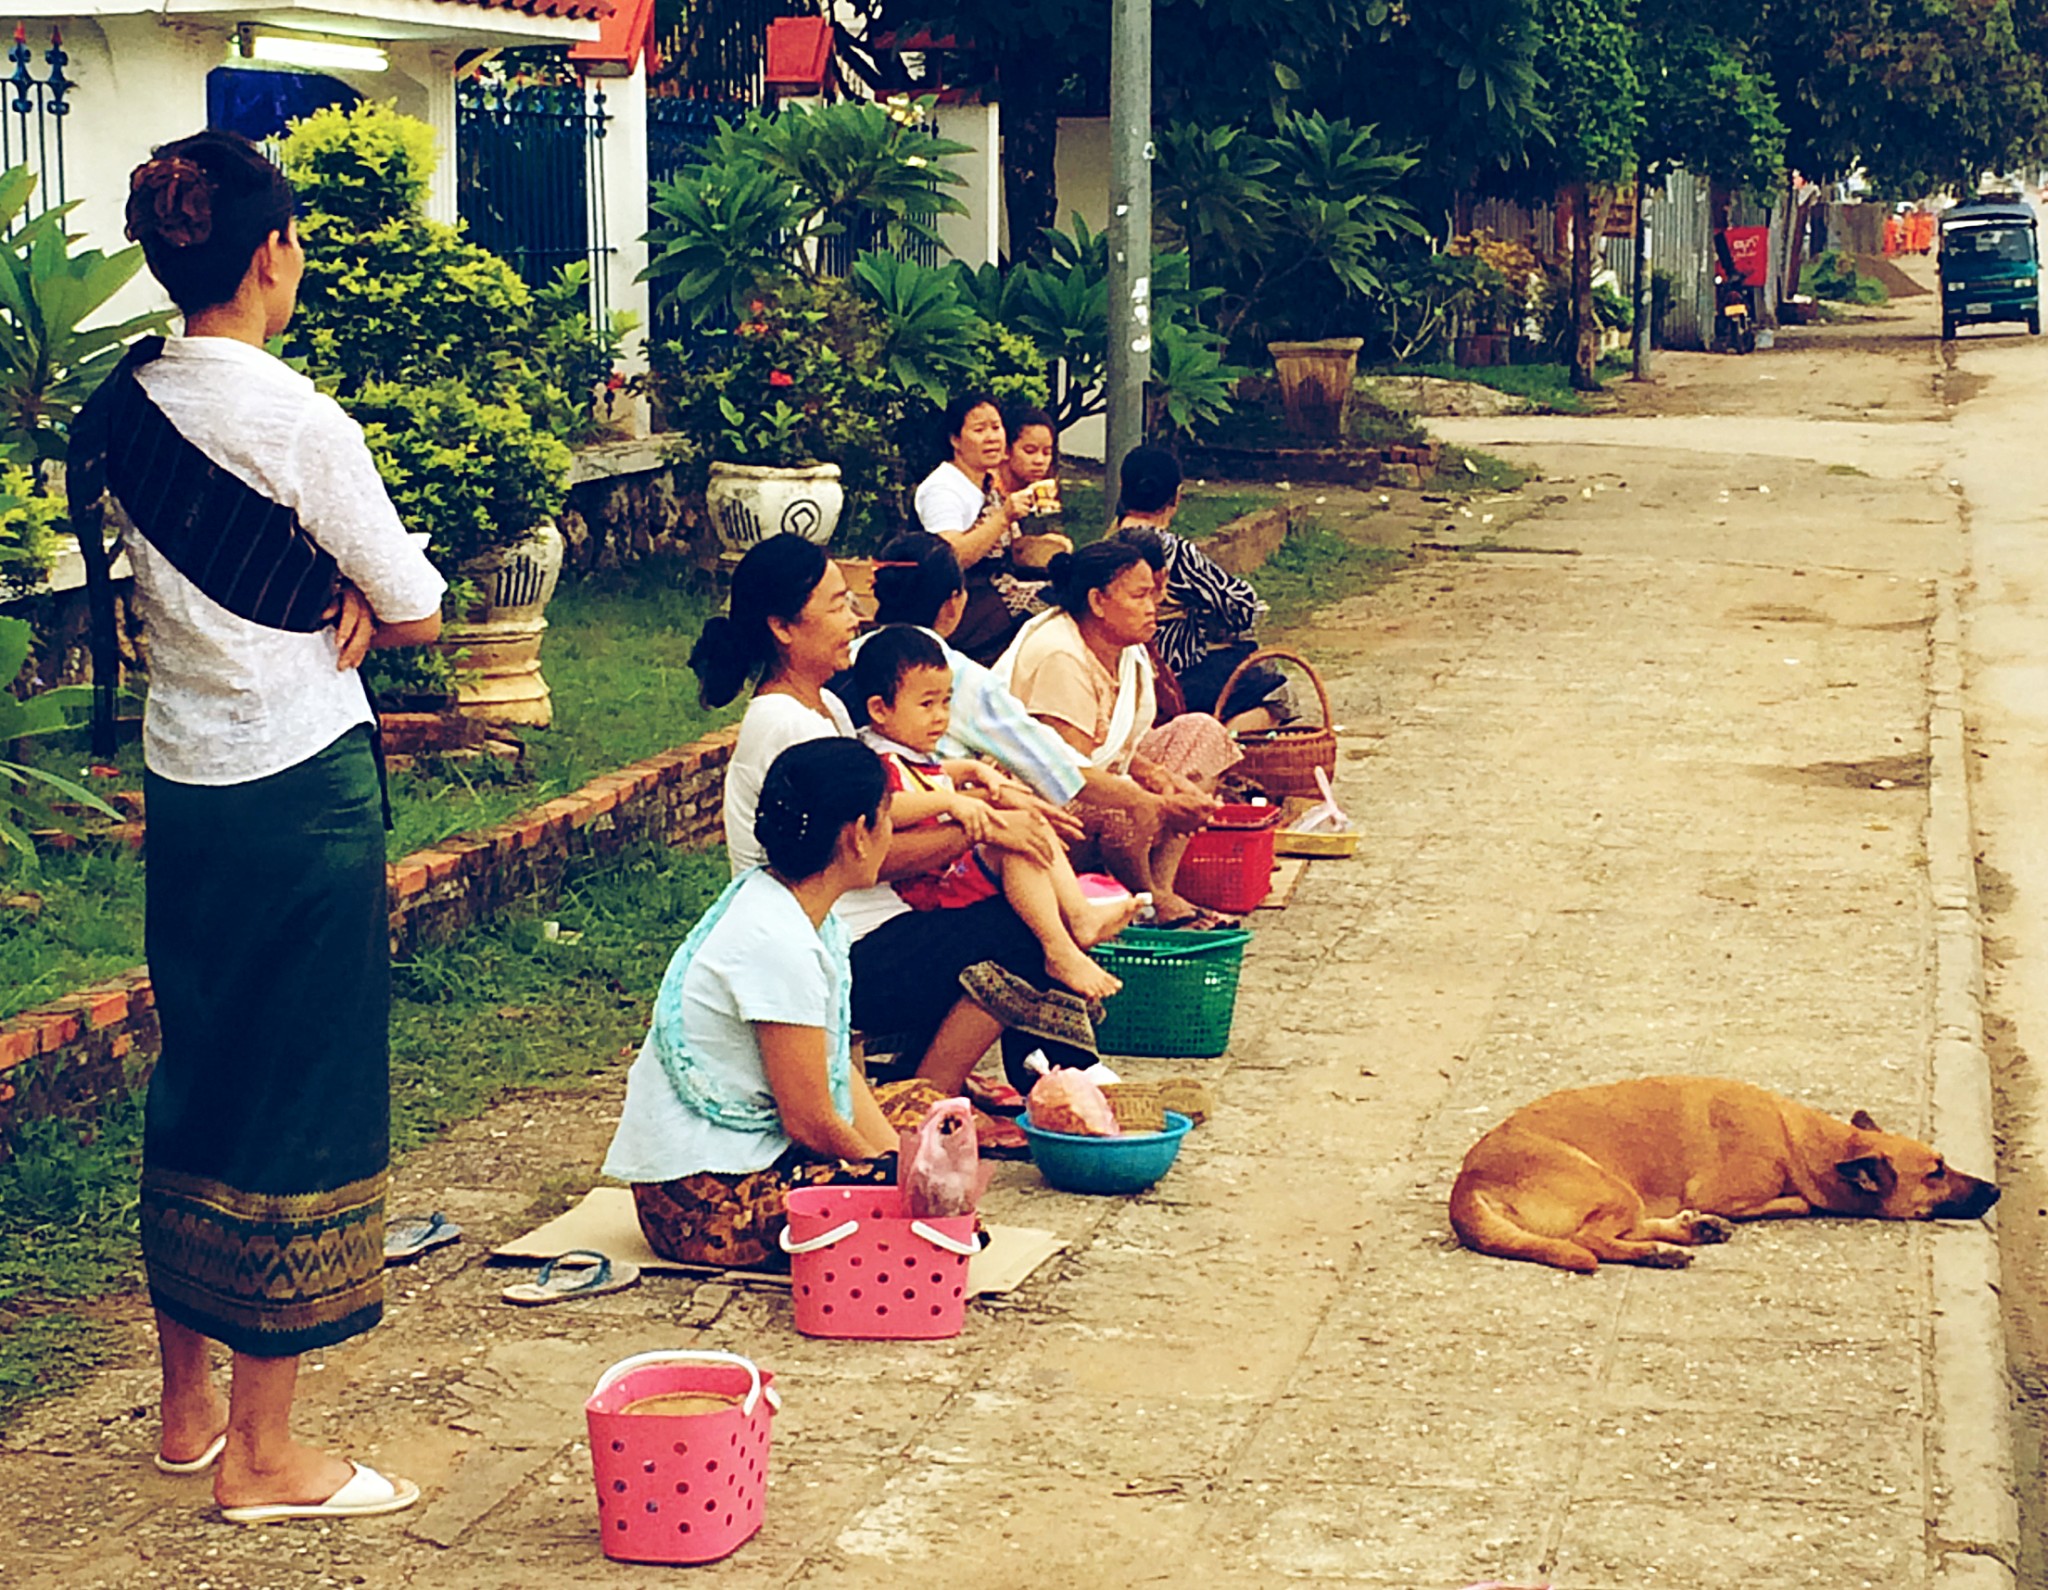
<point x="1100" y="923"/>
<point x="1167" y="907"/>
<point x="1081" y="974"/>
<point x="296" y="1474"/>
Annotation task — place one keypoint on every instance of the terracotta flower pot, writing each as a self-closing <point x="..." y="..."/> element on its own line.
<point x="1315" y="384"/>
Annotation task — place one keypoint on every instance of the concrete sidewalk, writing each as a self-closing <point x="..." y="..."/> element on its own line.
<point x="1626" y="813"/>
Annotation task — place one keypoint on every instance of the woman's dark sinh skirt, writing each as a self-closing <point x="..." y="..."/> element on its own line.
<point x="267" y="1134"/>
<point x="913" y="969"/>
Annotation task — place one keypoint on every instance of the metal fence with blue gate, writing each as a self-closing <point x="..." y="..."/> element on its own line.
<point x="530" y="158"/>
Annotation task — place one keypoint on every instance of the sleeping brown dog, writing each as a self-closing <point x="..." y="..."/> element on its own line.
<point x="1639" y="1172"/>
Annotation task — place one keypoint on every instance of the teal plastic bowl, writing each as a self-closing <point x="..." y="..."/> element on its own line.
<point x="1126" y="1164"/>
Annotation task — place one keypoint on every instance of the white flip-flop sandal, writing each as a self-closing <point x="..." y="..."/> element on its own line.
<point x="201" y="1463"/>
<point x="367" y="1494"/>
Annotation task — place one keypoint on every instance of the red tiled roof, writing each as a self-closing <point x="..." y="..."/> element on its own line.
<point x="621" y="37"/>
<point x="568" y="10"/>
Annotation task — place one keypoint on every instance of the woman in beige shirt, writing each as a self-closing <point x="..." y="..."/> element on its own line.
<point x="1082" y="670"/>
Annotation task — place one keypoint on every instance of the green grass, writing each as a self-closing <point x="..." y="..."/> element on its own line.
<point x="504" y="1007"/>
<point x="88" y="926"/>
<point x="1835" y="276"/>
<point x="1548" y="385"/>
<point x="1203" y="509"/>
<point x="1466" y="469"/>
<point x="616" y="657"/>
<point x="1316" y="567"/>
<point x="67" y="1237"/>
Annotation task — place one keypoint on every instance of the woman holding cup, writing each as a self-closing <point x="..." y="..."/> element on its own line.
<point x="965" y="502"/>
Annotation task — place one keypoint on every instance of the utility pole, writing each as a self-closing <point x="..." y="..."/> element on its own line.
<point x="1130" y="231"/>
<point x="1644" y="282"/>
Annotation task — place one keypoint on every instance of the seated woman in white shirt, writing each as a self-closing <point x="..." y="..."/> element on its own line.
<point x="963" y="501"/>
<point x="745" y="1087"/>
<point x="937" y="994"/>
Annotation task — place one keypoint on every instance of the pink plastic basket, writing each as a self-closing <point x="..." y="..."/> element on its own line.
<point x="859" y="1267"/>
<point x="680" y="1487"/>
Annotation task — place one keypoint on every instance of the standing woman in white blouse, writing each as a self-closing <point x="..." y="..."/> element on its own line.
<point x="268" y="561"/>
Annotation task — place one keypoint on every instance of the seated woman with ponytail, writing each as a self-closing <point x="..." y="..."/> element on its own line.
<point x="935" y="988"/>
<point x="744" y="1087"/>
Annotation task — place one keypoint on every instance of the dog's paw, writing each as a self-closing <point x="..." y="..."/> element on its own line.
<point x="1707" y="1230"/>
<point x="1663" y="1257"/>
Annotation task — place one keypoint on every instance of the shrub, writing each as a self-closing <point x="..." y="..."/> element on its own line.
<point x="1834" y="275"/>
<point x="751" y="215"/>
<point x="466" y="381"/>
<point x="801" y="380"/>
<point x="477" y="473"/>
<point x="29" y="524"/>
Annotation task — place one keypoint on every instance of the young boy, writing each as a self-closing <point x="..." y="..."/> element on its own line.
<point x="901" y="676"/>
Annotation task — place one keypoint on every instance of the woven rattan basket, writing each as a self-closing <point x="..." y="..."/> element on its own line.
<point x="1137" y="1106"/>
<point x="1283" y="761"/>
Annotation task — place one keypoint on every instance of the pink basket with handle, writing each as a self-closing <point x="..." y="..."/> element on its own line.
<point x="859" y="1267"/>
<point x="685" y="1487"/>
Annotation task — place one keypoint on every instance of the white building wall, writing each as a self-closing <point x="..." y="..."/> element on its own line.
<point x="1081" y="171"/>
<point x="1080" y="177"/>
<point x="975" y="237"/>
<point x="140" y="82"/>
<point x="626" y="221"/>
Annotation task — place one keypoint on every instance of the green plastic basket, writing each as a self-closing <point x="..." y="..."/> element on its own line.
<point x="1179" y="993"/>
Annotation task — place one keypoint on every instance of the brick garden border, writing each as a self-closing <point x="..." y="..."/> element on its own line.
<point x="70" y="1056"/>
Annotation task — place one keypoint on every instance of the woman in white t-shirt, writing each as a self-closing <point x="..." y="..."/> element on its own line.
<point x="963" y="502"/>
<point x="935" y="994"/>
<point x="745" y="1087"/>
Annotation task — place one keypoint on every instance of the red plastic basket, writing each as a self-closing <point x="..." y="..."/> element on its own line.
<point x="1229" y="865"/>
<point x="687" y="1487"/>
<point x="860" y="1268"/>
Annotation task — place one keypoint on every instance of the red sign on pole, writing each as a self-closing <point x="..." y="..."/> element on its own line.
<point x="1751" y="246"/>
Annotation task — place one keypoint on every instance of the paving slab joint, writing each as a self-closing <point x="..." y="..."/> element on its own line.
<point x="1974" y="1529"/>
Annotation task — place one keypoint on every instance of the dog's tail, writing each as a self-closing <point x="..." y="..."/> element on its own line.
<point x="1484" y="1223"/>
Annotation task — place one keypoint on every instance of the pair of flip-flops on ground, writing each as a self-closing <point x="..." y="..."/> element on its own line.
<point x="367" y="1494"/>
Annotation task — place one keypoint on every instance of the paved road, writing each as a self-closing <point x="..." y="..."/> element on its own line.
<point x="1651" y="795"/>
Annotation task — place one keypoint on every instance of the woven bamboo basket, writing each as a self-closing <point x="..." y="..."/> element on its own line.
<point x="1137" y="1106"/>
<point x="1283" y="761"/>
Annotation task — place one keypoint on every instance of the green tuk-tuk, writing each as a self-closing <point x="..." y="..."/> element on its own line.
<point x="1990" y="265"/>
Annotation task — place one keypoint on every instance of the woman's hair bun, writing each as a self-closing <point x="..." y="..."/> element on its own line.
<point x="1058" y="568"/>
<point x="170" y="200"/>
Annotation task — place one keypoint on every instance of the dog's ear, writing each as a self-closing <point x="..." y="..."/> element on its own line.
<point x="1872" y="1174"/>
<point x="1863" y="1123"/>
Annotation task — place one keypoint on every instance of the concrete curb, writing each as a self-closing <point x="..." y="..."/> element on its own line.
<point x="1973" y="1524"/>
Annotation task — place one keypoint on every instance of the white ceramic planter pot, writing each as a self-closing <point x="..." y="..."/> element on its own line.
<point x="499" y="678"/>
<point x="750" y="502"/>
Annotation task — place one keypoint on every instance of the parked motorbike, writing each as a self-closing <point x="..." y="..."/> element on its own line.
<point x="1734" y="302"/>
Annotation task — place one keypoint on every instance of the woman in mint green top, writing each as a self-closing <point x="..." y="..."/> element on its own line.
<point x="744" y="1086"/>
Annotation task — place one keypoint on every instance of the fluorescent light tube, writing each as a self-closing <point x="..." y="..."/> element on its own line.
<point x="319" y="54"/>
